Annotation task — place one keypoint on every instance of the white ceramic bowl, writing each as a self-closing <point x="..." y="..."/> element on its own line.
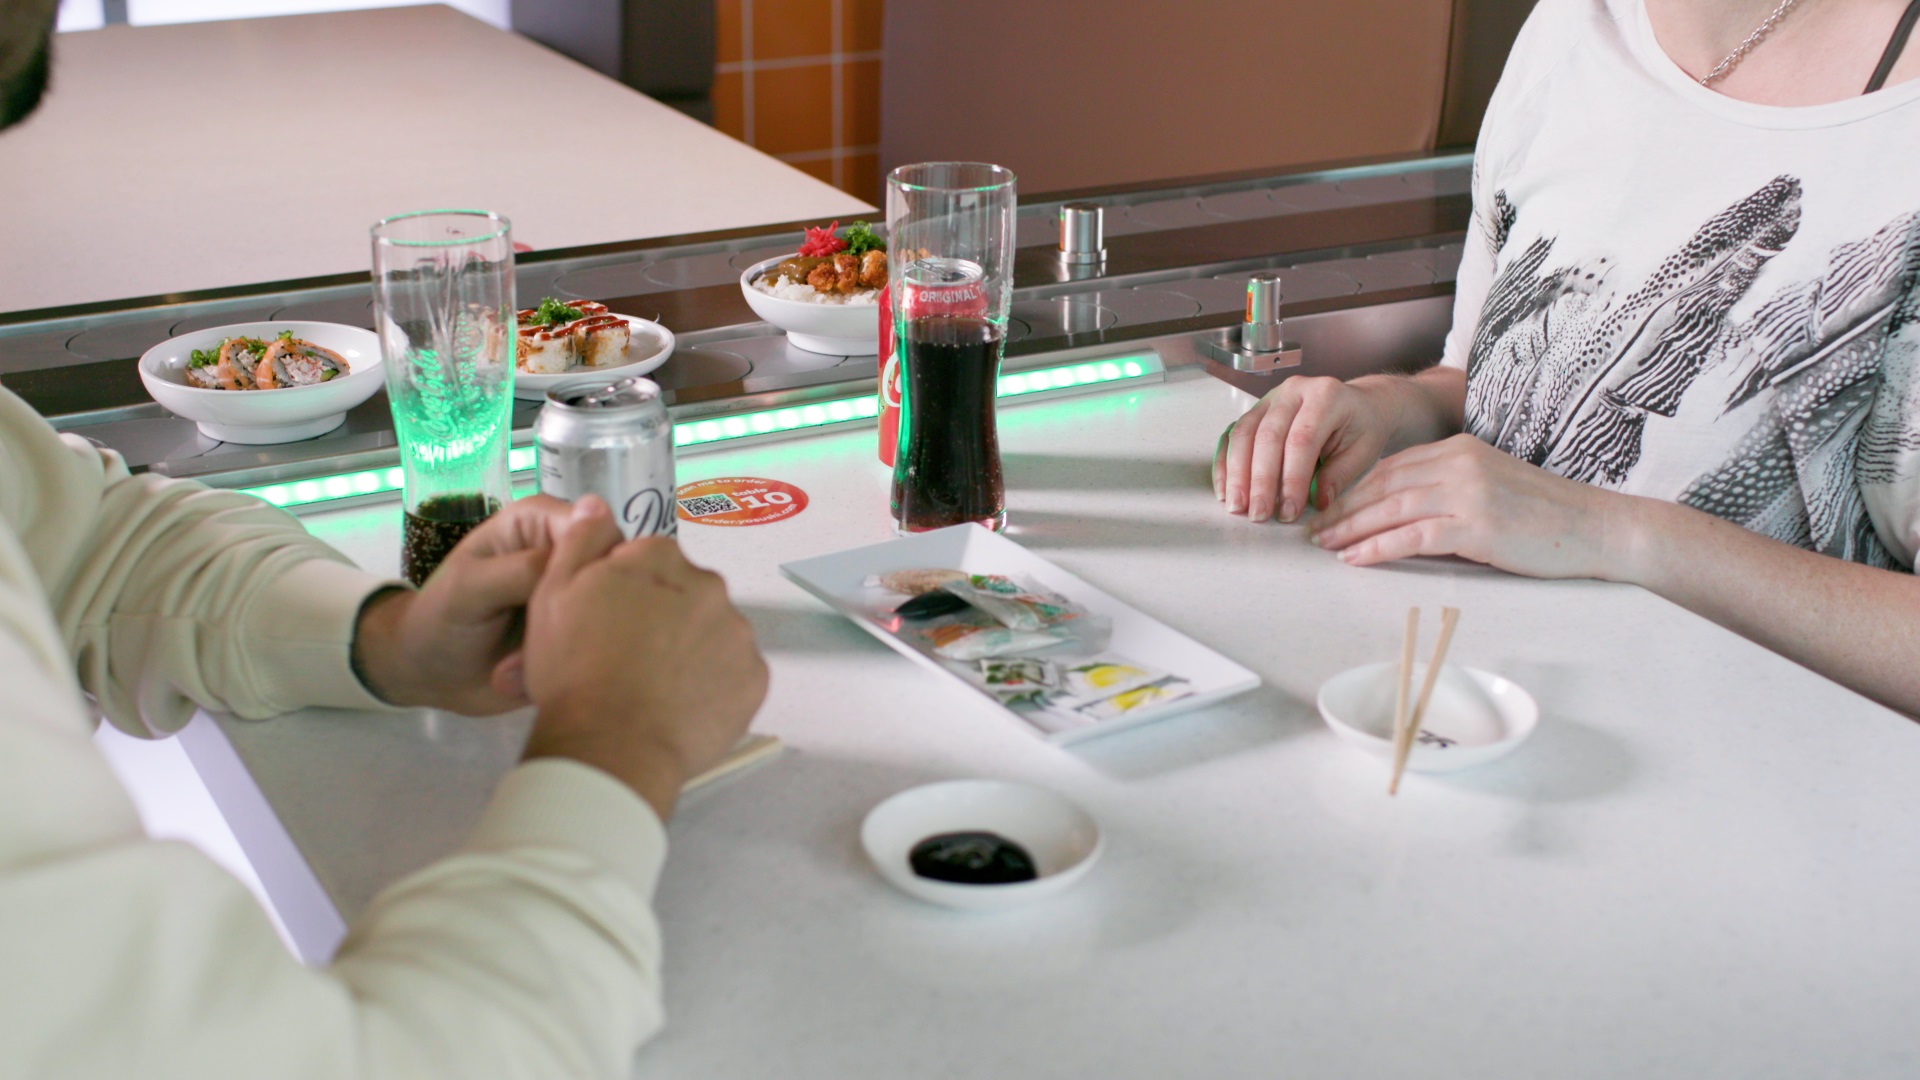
<point x="834" y="329"/>
<point x="1061" y="837"/>
<point x="265" y="416"/>
<point x="1473" y="717"/>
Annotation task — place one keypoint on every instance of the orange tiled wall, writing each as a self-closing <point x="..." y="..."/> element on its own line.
<point x="800" y="79"/>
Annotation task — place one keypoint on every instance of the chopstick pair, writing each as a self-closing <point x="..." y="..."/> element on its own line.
<point x="1406" y="723"/>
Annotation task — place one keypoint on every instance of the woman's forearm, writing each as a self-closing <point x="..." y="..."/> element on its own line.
<point x="1421" y="408"/>
<point x="1857" y="625"/>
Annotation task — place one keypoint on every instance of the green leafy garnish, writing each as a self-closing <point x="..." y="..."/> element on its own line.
<point x="284" y="335"/>
<point x="210" y="357"/>
<point x="860" y="239"/>
<point x="552" y="312"/>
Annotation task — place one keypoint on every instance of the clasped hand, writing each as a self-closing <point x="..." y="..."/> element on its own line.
<point x="1458" y="496"/>
<point x="636" y="659"/>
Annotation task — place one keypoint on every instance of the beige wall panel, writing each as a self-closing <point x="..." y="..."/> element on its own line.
<point x="1072" y="94"/>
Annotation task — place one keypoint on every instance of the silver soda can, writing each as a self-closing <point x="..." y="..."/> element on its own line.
<point x="615" y="442"/>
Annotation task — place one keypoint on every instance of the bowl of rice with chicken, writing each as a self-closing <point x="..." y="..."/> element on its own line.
<point x="826" y="295"/>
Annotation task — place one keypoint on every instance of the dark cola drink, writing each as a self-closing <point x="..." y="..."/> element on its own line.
<point x="947" y="471"/>
<point x="435" y="527"/>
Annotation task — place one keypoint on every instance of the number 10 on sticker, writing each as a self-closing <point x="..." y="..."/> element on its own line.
<point x="738" y="500"/>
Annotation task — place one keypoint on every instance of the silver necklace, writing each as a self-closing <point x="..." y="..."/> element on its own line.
<point x="1751" y="42"/>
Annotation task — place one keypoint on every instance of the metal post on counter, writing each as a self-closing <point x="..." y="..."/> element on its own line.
<point x="1082" y="235"/>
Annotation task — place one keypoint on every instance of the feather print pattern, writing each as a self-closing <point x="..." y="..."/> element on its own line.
<point x="1825" y="374"/>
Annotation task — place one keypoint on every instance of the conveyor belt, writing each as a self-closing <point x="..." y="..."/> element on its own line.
<point x="1178" y="260"/>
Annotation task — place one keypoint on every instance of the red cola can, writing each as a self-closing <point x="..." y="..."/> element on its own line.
<point x="889" y="380"/>
<point x="928" y="286"/>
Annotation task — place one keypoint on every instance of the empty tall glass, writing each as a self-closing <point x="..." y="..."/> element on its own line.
<point x="443" y="305"/>
<point x="950" y="260"/>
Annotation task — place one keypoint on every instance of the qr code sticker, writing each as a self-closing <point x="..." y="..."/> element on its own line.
<point x="702" y="505"/>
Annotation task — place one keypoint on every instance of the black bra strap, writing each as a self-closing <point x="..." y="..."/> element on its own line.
<point x="1894" y="48"/>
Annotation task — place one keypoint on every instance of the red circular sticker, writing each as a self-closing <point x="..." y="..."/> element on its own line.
<point x="738" y="500"/>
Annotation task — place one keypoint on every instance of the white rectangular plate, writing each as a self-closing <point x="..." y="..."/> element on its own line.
<point x="840" y="580"/>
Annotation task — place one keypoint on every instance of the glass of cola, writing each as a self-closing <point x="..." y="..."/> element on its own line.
<point x="443" y="305"/>
<point x="950" y="249"/>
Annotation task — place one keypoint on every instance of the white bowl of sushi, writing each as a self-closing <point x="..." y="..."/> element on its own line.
<point x="313" y="379"/>
<point x="842" y="328"/>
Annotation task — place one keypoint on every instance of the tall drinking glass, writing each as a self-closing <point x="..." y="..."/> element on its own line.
<point x="950" y="260"/>
<point x="443" y="303"/>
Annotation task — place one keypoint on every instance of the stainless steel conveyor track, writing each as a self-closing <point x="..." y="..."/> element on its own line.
<point x="1366" y="255"/>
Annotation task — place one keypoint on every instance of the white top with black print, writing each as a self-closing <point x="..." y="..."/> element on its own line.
<point x="1671" y="293"/>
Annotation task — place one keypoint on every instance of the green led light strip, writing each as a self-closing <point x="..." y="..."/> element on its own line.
<point x="825" y="414"/>
<point x="793" y="418"/>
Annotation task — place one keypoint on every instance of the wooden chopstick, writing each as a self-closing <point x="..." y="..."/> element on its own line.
<point x="1404" y="739"/>
<point x="1404" y="682"/>
<point x="747" y="752"/>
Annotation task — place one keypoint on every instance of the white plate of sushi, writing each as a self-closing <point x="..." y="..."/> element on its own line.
<point x="1140" y="670"/>
<point x="595" y="345"/>
<point x="264" y="382"/>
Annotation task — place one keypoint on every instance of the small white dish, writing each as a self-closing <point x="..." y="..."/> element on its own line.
<point x="648" y="346"/>
<point x="259" y="417"/>
<point x="1062" y="838"/>
<point x="833" y="329"/>
<point x="1474" y="716"/>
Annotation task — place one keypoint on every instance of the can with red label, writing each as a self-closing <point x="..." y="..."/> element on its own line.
<point x="889" y="380"/>
<point x="931" y="286"/>
<point x="928" y="286"/>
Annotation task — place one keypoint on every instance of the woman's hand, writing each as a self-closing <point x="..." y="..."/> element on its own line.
<point x="1463" y="497"/>
<point x="1305" y="423"/>
<point x="455" y="644"/>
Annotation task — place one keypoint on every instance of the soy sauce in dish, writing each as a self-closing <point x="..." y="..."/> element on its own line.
<point x="972" y="858"/>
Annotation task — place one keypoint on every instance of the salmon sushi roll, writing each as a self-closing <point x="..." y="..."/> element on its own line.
<point x="292" y="362"/>
<point x="239" y="358"/>
<point x="204" y="376"/>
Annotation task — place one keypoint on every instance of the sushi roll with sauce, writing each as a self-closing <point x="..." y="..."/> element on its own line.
<point x="603" y="340"/>
<point x="560" y="334"/>
<point x="292" y="362"/>
<point x="547" y="350"/>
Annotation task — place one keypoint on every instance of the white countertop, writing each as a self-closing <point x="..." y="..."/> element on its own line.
<point x="168" y="159"/>
<point x="1703" y="865"/>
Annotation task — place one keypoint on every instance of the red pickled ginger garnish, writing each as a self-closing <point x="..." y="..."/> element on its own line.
<point x="819" y="243"/>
